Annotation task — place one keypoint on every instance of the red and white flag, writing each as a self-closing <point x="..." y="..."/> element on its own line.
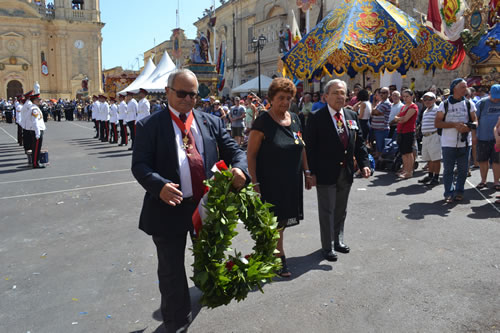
<point x="200" y="213"/>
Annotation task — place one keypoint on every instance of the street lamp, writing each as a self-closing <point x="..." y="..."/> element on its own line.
<point x="258" y="45"/>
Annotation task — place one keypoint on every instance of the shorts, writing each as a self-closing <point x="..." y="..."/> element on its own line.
<point x="485" y="151"/>
<point x="431" y="147"/>
<point x="405" y="142"/>
<point x="236" y="131"/>
<point x="380" y="136"/>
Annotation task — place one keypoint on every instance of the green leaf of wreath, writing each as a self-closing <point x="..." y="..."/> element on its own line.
<point x="222" y="277"/>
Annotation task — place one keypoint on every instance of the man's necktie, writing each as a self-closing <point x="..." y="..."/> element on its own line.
<point x="341" y="130"/>
<point x="195" y="163"/>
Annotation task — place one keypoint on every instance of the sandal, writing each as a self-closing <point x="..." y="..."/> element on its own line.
<point x="459" y="197"/>
<point x="284" y="272"/>
<point x="481" y="185"/>
<point x="448" y="200"/>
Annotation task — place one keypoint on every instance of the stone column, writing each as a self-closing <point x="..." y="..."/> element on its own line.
<point x="36" y="61"/>
<point x="62" y="60"/>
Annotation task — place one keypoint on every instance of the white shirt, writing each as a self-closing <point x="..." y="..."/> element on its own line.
<point x="368" y="110"/>
<point x="95" y="111"/>
<point x="185" y="172"/>
<point x="395" y="109"/>
<point x="19" y="117"/>
<point x="456" y="113"/>
<point x="143" y="108"/>
<point x="25" y="114"/>
<point x="113" y="113"/>
<point x="36" y="121"/>
<point x="132" y="110"/>
<point x="122" y="111"/>
<point x="104" y="111"/>
<point x="332" y="114"/>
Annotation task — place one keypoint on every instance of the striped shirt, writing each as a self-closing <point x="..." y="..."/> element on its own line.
<point x="382" y="122"/>
<point x="428" y="120"/>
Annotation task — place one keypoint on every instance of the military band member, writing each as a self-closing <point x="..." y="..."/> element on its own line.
<point x="131" y="116"/>
<point x="122" y="119"/>
<point x="25" y="117"/>
<point x="143" y="107"/>
<point x="37" y="125"/>
<point x="113" y="120"/>
<point x="19" y="106"/>
<point x="104" y="113"/>
<point x="95" y="112"/>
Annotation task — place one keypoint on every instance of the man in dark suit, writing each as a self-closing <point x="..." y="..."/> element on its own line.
<point x="333" y="137"/>
<point x="173" y="153"/>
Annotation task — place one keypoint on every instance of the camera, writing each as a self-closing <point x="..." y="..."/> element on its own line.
<point x="464" y="136"/>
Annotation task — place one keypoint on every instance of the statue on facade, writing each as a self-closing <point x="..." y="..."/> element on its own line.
<point x="36" y="88"/>
<point x="199" y="52"/>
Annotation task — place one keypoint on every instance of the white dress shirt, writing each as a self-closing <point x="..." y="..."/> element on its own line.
<point x="96" y="114"/>
<point x="122" y="111"/>
<point x="131" y="110"/>
<point x="36" y="121"/>
<point x="26" y="115"/>
<point x="332" y="114"/>
<point x="113" y="113"/>
<point x="185" y="172"/>
<point x="104" y="111"/>
<point x="143" y="109"/>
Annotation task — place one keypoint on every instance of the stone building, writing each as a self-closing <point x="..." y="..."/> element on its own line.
<point x="239" y="21"/>
<point x="56" y="43"/>
<point x="180" y="55"/>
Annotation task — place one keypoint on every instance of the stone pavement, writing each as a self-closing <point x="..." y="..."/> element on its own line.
<point x="73" y="260"/>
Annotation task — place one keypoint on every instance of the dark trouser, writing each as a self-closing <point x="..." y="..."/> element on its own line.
<point x="123" y="132"/>
<point x="96" y="125"/>
<point x="37" y="147"/>
<point x="175" y="299"/>
<point x="19" y="135"/>
<point x="114" y="134"/>
<point x="392" y="132"/>
<point x="332" y="210"/>
<point x="27" y="140"/>
<point x="106" y="131"/>
<point x="58" y="115"/>
<point x="131" y="126"/>
<point x="102" y="130"/>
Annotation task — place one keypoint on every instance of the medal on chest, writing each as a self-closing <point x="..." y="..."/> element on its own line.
<point x="185" y="144"/>
<point x="340" y="126"/>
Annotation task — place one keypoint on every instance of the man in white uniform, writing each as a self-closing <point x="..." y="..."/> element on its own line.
<point x="131" y="116"/>
<point x="25" y="115"/>
<point x="113" y="120"/>
<point x="95" y="114"/>
<point x="35" y="123"/>
<point x="104" y="113"/>
<point x="18" y="107"/>
<point x="122" y="119"/>
<point x="143" y="107"/>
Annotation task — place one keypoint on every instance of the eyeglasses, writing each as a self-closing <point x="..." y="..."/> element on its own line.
<point x="183" y="94"/>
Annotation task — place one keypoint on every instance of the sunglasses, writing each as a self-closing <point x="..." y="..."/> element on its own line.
<point x="183" y="94"/>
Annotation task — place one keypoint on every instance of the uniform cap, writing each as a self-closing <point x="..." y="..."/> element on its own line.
<point x="33" y="97"/>
<point x="28" y="94"/>
<point x="129" y="93"/>
<point x="94" y="96"/>
<point x="102" y="96"/>
<point x="112" y="99"/>
<point x="144" y="91"/>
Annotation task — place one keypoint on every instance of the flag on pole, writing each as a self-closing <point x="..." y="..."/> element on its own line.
<point x="296" y="36"/>
<point x="221" y="69"/>
<point x="200" y="213"/>
<point x="433" y="15"/>
<point x="219" y="59"/>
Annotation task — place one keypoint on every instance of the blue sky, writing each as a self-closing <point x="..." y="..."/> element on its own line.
<point x="133" y="26"/>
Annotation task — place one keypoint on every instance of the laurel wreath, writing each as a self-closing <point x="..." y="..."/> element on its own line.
<point x="223" y="277"/>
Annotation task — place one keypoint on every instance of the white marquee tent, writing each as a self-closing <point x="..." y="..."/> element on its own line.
<point x="157" y="81"/>
<point x="253" y="85"/>
<point x="142" y="77"/>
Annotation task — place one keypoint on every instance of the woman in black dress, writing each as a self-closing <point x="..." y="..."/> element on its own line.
<point x="276" y="160"/>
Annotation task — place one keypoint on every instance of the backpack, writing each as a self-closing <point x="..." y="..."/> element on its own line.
<point x="440" y="130"/>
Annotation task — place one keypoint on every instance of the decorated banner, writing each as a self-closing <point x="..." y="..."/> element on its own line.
<point x="45" y="68"/>
<point x="221" y="68"/>
<point x="176" y="50"/>
<point x="305" y="4"/>
<point x="295" y="31"/>
<point x="452" y="15"/>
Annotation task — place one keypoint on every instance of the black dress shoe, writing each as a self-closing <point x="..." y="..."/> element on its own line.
<point x="329" y="255"/>
<point x="342" y="248"/>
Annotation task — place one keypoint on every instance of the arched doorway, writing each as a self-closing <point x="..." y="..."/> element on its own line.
<point x="14" y="88"/>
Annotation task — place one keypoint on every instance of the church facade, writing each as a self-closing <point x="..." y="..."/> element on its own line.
<point x="56" y="44"/>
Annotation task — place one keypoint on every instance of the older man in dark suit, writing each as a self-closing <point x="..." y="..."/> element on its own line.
<point x="173" y="153"/>
<point x="333" y="137"/>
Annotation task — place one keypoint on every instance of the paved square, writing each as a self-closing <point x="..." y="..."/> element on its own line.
<point x="73" y="260"/>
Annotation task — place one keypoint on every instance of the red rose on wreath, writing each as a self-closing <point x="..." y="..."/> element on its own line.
<point x="229" y="265"/>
